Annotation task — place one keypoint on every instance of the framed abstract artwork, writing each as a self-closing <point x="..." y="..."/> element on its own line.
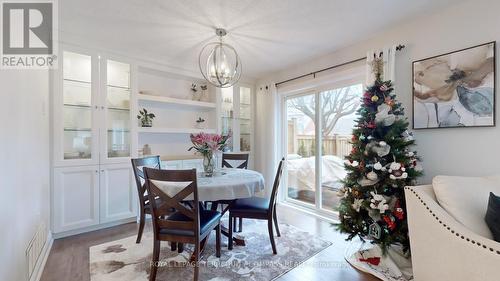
<point x="456" y="89"/>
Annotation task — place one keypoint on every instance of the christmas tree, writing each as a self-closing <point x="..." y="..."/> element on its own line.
<point x="379" y="166"/>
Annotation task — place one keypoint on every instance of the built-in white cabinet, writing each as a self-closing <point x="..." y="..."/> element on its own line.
<point x="117" y="192"/>
<point x="92" y="141"/>
<point x="75" y="198"/>
<point x="183" y="164"/>
<point x="85" y="196"/>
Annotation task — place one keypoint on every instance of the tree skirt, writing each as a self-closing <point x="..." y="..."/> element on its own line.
<point x="367" y="257"/>
<point x="124" y="260"/>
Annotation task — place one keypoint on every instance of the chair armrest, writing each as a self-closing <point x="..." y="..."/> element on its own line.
<point x="444" y="249"/>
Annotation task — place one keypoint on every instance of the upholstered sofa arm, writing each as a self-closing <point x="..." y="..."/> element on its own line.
<point x="442" y="248"/>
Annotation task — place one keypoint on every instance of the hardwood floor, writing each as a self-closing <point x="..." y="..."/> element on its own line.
<point x="69" y="257"/>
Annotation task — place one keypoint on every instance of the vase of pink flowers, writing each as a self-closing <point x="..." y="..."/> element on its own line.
<point x="207" y="145"/>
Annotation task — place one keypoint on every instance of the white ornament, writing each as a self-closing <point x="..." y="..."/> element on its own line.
<point x="410" y="153"/>
<point x="378" y="202"/>
<point x="357" y="204"/>
<point x="377" y="148"/>
<point x="377" y="166"/>
<point x="394" y="166"/>
<point x="353" y="163"/>
<point x="383" y="115"/>
<point x="382" y="143"/>
<point x="372" y="176"/>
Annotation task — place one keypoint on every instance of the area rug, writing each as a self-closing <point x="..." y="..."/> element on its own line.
<point x="124" y="260"/>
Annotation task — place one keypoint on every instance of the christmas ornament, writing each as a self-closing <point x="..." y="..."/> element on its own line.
<point x="397" y="171"/>
<point x="398" y="211"/>
<point x="353" y="163"/>
<point x="390" y="221"/>
<point x="366" y="182"/>
<point x="408" y="136"/>
<point x="374" y="98"/>
<point x="377" y="166"/>
<point x="357" y="204"/>
<point x="378" y="202"/>
<point x="375" y="231"/>
<point x="384" y="88"/>
<point x="383" y="116"/>
<point x="342" y="192"/>
<point x="372" y="176"/>
<point x="377" y="148"/>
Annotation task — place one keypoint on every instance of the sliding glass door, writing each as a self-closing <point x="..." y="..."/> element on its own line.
<point x="318" y="127"/>
<point x="301" y="148"/>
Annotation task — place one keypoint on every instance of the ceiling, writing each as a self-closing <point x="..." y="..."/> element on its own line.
<point x="268" y="35"/>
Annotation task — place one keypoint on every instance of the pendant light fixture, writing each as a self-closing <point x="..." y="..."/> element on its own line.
<point x="219" y="62"/>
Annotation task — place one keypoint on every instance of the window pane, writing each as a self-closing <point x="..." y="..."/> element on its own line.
<point x="339" y="108"/>
<point x="301" y="158"/>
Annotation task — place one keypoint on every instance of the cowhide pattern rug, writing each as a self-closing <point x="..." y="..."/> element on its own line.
<point x="124" y="260"/>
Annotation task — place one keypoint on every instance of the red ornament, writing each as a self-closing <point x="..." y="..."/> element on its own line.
<point x="398" y="211"/>
<point x="375" y="260"/>
<point x="390" y="222"/>
<point x="371" y="125"/>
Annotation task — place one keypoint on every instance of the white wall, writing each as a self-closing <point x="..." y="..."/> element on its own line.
<point x="460" y="151"/>
<point x="24" y="165"/>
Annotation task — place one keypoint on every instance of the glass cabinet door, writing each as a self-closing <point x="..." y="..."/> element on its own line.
<point x="117" y="104"/>
<point x="245" y="118"/>
<point x="227" y="115"/>
<point x="77" y="106"/>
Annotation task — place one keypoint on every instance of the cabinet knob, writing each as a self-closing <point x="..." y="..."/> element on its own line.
<point x="102" y="171"/>
<point x="96" y="171"/>
<point x="102" y="107"/>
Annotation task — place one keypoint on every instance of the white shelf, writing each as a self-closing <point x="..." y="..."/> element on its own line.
<point x="160" y="130"/>
<point x="175" y="101"/>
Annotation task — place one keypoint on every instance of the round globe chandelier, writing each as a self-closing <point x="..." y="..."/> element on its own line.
<point x="219" y="62"/>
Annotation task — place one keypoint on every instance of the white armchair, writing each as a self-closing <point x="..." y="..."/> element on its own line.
<point x="442" y="248"/>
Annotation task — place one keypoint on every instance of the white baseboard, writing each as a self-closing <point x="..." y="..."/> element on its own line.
<point x="42" y="260"/>
<point x="92" y="228"/>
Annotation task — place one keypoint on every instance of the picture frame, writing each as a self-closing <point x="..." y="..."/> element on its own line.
<point x="456" y="89"/>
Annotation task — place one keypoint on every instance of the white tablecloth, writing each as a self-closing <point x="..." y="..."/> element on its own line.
<point x="227" y="184"/>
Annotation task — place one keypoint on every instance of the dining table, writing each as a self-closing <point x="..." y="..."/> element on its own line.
<point x="220" y="190"/>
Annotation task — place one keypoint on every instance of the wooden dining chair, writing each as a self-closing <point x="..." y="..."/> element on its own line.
<point x="258" y="208"/>
<point x="225" y="164"/>
<point x="235" y="156"/>
<point x="187" y="224"/>
<point x="138" y="164"/>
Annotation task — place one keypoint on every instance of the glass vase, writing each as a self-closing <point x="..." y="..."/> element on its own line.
<point x="209" y="164"/>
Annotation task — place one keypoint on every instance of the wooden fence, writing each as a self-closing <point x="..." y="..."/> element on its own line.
<point x="305" y="145"/>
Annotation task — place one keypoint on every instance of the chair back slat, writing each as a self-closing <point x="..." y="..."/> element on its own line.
<point x="235" y="156"/>
<point x="138" y="164"/>
<point x="166" y="202"/>
<point x="277" y="180"/>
